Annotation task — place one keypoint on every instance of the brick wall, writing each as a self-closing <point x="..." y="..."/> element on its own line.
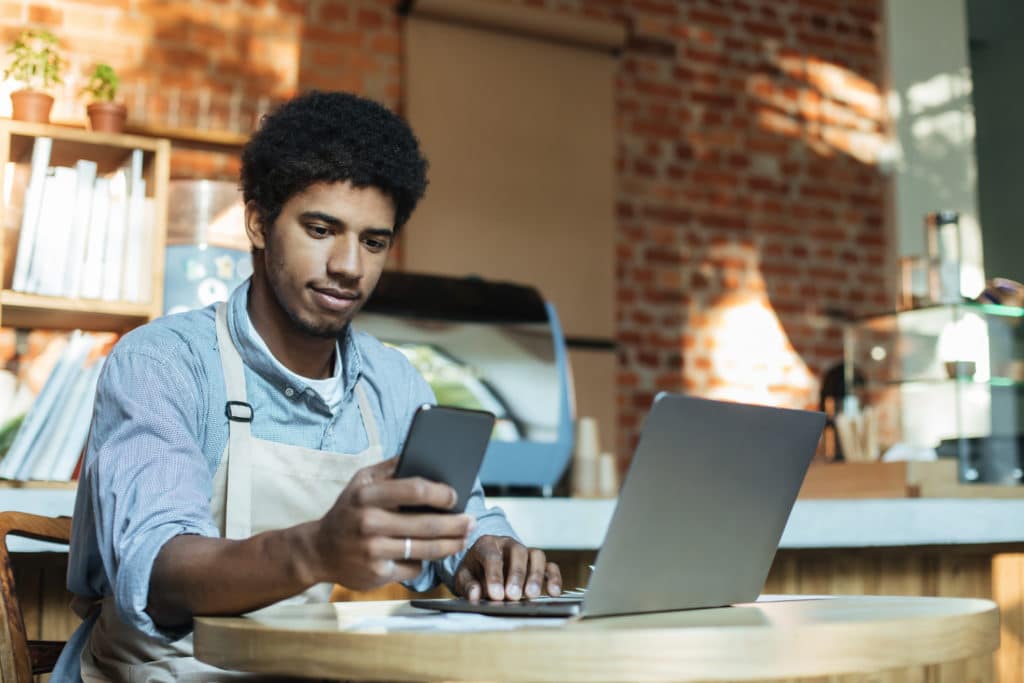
<point x="749" y="205"/>
<point x="216" y="64"/>
<point x="750" y="210"/>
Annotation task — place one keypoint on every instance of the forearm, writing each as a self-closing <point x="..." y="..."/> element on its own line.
<point x="195" y="575"/>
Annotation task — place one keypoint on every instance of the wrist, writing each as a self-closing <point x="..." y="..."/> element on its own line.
<point x="302" y="549"/>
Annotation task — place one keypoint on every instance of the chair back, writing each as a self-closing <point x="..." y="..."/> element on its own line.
<point x="21" y="658"/>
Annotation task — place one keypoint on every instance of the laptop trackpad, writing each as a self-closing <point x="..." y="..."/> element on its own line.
<point x="537" y="607"/>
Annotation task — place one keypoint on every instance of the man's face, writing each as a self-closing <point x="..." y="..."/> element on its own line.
<point x="325" y="253"/>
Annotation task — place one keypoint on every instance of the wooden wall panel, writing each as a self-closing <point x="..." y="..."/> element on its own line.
<point x="40" y="582"/>
<point x="515" y="193"/>
<point x="1008" y="592"/>
<point x="44" y="600"/>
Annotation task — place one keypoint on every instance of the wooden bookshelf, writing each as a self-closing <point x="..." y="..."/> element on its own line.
<point x="194" y="137"/>
<point x="110" y="151"/>
<point x="32" y="484"/>
<point x="226" y="140"/>
<point x="34" y="311"/>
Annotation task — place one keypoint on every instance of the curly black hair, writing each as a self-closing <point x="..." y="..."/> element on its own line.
<point x="332" y="137"/>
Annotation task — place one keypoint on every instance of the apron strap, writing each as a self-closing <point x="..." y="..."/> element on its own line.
<point x="238" y="503"/>
<point x="369" y="422"/>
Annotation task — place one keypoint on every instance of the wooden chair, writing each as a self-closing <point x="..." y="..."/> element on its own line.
<point x="21" y="658"/>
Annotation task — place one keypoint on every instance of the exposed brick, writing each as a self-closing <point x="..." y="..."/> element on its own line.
<point x="706" y="57"/>
<point x="332" y="36"/>
<point x="763" y="29"/>
<point x="658" y="89"/>
<point x="11" y="11"/>
<point x="736" y="121"/>
<point x="386" y="44"/>
<point x="369" y="19"/>
<point x="44" y="14"/>
<point x="334" y="11"/>
<point x="708" y="16"/>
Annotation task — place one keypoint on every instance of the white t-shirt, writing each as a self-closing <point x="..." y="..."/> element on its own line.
<point x="331" y="389"/>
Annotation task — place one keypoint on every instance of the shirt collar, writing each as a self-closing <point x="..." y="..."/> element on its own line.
<point x="254" y="355"/>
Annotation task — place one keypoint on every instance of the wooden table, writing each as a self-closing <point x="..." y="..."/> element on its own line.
<point x="798" y="637"/>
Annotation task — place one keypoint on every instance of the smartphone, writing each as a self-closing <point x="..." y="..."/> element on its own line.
<point x="447" y="445"/>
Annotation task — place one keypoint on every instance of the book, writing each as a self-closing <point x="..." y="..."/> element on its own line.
<point x="78" y="435"/>
<point x="89" y="284"/>
<point x="19" y="457"/>
<point x="30" y="212"/>
<point x="146" y="259"/>
<point x="113" y="253"/>
<point x="59" y="454"/>
<point x="55" y="428"/>
<point x="135" y="231"/>
<point x="134" y="260"/>
<point x="45" y="275"/>
<point x="84" y="190"/>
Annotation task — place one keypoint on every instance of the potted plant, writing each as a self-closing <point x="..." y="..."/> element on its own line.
<point x="37" y="65"/>
<point x="104" y="113"/>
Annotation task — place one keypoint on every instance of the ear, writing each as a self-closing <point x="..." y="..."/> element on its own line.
<point x="254" y="226"/>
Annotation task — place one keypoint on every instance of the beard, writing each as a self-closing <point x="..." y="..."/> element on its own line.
<point x="324" y="329"/>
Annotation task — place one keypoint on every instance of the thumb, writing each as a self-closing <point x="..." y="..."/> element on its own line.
<point x="383" y="469"/>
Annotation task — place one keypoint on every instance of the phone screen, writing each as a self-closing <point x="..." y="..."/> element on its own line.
<point x="447" y="445"/>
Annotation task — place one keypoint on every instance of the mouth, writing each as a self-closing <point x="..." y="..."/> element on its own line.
<point x="337" y="300"/>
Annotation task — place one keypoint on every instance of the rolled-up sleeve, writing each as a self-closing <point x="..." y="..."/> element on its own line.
<point x="147" y="478"/>
<point x="489" y="521"/>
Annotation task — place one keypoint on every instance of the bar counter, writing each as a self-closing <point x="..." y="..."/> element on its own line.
<point x="579" y="524"/>
<point x="946" y="547"/>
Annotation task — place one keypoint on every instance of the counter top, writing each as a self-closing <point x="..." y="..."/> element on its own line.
<point x="580" y="524"/>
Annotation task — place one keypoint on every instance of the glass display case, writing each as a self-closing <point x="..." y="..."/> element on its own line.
<point x="487" y="345"/>
<point x="948" y="377"/>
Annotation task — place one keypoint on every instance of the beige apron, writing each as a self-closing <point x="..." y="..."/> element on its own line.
<point x="292" y="485"/>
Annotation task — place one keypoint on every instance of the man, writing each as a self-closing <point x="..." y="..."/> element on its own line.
<point x="236" y="457"/>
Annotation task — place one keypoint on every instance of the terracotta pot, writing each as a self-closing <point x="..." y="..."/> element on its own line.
<point x="31" y="105"/>
<point x="107" y="117"/>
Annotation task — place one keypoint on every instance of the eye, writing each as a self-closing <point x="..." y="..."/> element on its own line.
<point x="376" y="244"/>
<point x="318" y="230"/>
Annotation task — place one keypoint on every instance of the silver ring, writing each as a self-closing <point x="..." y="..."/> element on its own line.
<point x="408" y="548"/>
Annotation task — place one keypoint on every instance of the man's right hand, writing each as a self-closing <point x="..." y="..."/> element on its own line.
<point x="361" y="541"/>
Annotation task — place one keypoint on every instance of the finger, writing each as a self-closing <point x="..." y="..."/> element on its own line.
<point x="406" y="571"/>
<point x="535" y="573"/>
<point x="518" y="558"/>
<point x="554" y="579"/>
<point x="415" y="491"/>
<point x="377" y="471"/>
<point x="367" y="475"/>
<point x="466" y="584"/>
<point x="492" y="560"/>
<point x="387" y="548"/>
<point x="387" y="571"/>
<point x="382" y="570"/>
<point x="378" y="522"/>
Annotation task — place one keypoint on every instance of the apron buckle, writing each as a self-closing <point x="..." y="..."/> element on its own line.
<point x="242" y="414"/>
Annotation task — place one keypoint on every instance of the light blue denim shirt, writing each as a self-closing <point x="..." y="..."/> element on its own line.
<point x="159" y="431"/>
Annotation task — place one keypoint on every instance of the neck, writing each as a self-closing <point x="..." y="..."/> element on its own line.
<point x="305" y="355"/>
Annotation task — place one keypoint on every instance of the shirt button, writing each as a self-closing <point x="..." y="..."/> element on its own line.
<point x="289" y="392"/>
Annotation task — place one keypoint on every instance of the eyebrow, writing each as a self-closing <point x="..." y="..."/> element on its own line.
<point x="336" y="222"/>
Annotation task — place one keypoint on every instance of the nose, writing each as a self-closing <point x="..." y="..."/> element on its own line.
<point x="345" y="261"/>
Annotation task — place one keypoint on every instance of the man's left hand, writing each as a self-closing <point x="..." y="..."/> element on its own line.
<point x="508" y="569"/>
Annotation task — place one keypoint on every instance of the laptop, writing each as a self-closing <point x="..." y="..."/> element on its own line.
<point x="699" y="516"/>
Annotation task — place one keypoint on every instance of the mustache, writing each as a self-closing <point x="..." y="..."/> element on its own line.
<point x="342" y="291"/>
